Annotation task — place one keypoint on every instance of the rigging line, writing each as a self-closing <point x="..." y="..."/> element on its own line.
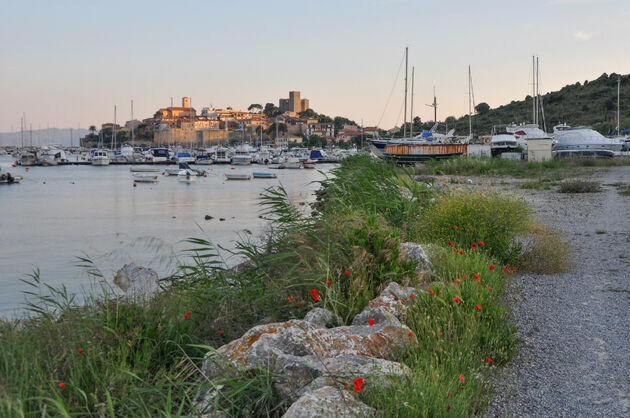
<point x="391" y="91"/>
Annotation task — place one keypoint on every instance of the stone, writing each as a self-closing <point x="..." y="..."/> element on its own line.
<point x="328" y="401"/>
<point x="137" y="281"/>
<point x="391" y="306"/>
<point x="416" y="252"/>
<point x="379" y="314"/>
<point x="320" y="317"/>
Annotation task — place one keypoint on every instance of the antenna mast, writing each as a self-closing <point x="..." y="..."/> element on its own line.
<point x="406" y="68"/>
<point x="434" y="106"/>
<point x="469" y="104"/>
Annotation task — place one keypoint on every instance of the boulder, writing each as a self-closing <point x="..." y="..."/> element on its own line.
<point x="137" y="281"/>
<point x="417" y="253"/>
<point x="320" y="317"/>
<point x="328" y="401"/>
<point x="391" y="306"/>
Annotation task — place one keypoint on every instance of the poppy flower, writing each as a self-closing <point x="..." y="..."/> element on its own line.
<point x="450" y="243"/>
<point x="448" y="408"/>
<point x="440" y="333"/>
<point x="506" y="270"/>
<point x="410" y="334"/>
<point x="290" y="299"/>
<point x="314" y="294"/>
<point x="328" y="282"/>
<point x="187" y="315"/>
<point x="411" y="296"/>
<point x="412" y="215"/>
<point x="488" y="359"/>
<point x="494" y="295"/>
<point x="347" y="273"/>
<point x="513" y="270"/>
<point x="80" y="351"/>
<point x="489" y="288"/>
<point x="62" y="385"/>
<point x="476" y="276"/>
<point x="456" y="281"/>
<point x="456" y="227"/>
<point x="91" y="335"/>
<point x="461" y="377"/>
<point x="300" y="303"/>
<point x="403" y="227"/>
<point x="470" y="232"/>
<point x="494" y="261"/>
<point x="358" y="384"/>
<point x="478" y="281"/>
<point x="464" y="276"/>
<point x="431" y="292"/>
<point x="457" y="301"/>
<point x="491" y="267"/>
<point x="371" y="322"/>
<point x="473" y="246"/>
<point x="220" y="332"/>
<point x="478" y="307"/>
<point x="461" y="252"/>
<point x="480" y="243"/>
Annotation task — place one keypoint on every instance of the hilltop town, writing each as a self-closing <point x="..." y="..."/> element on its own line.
<point x="292" y="121"/>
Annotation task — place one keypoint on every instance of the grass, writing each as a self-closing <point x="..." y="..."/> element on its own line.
<point x="579" y="186"/>
<point x="142" y="358"/>
<point x="555" y="169"/>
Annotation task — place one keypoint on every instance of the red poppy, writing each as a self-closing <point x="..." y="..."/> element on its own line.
<point x="476" y="276"/>
<point x="91" y="335"/>
<point x="187" y="315"/>
<point x="410" y="334"/>
<point x="478" y="281"/>
<point x="448" y="408"/>
<point x="457" y="301"/>
<point x="480" y="243"/>
<point x="328" y="282"/>
<point x="411" y="296"/>
<point x="62" y="385"/>
<point x="358" y="384"/>
<point x="188" y="328"/>
<point x="457" y="281"/>
<point x="473" y="246"/>
<point x="461" y="377"/>
<point x="478" y="307"/>
<point x="494" y="262"/>
<point x="347" y="273"/>
<point x="506" y="270"/>
<point x="464" y="276"/>
<point x="220" y="332"/>
<point x="440" y="333"/>
<point x="491" y="267"/>
<point x="314" y="294"/>
<point x="513" y="270"/>
<point x="456" y="227"/>
<point x="431" y="292"/>
<point x="461" y="252"/>
<point x="489" y="288"/>
<point x="494" y="295"/>
<point x="412" y="215"/>
<point x="450" y="243"/>
<point x="470" y="232"/>
<point x="80" y="351"/>
<point x="403" y="227"/>
<point x="488" y="359"/>
<point x="290" y="299"/>
<point x="371" y="322"/>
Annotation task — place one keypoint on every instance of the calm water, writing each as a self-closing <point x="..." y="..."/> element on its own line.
<point x="58" y="213"/>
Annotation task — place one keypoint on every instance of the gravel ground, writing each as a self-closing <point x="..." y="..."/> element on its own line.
<point x="573" y="359"/>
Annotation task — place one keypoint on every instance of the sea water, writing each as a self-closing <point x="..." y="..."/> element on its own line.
<point x="57" y="214"/>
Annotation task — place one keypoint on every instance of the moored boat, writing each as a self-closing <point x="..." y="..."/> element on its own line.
<point x="261" y="175"/>
<point x="409" y="154"/>
<point x="143" y="169"/>
<point x="100" y="158"/>
<point x="238" y="176"/>
<point x="145" y="178"/>
<point x="7" y="178"/>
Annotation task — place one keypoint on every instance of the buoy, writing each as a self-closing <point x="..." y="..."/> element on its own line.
<point x="134" y="185"/>
<point x="13" y="165"/>
<point x="26" y="168"/>
<point x="162" y="172"/>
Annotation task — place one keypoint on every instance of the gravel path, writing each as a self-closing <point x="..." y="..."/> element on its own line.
<point x="574" y="328"/>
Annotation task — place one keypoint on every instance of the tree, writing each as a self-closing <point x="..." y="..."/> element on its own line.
<point x="255" y="107"/>
<point x="482" y="108"/>
<point x="340" y="121"/>
<point x="308" y="113"/>
<point x="324" y="119"/>
<point x="271" y="110"/>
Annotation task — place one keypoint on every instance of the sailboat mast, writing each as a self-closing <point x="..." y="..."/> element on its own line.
<point x="114" y="130"/>
<point x="132" y="124"/>
<point x="22" y="130"/>
<point x="618" y="114"/>
<point x="170" y="126"/>
<point x="413" y="69"/>
<point x="192" y="124"/>
<point x="469" y="104"/>
<point x="534" y="90"/>
<point x="406" y="69"/>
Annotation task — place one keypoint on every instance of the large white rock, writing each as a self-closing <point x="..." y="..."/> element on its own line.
<point x="328" y="402"/>
<point x="136" y="281"/>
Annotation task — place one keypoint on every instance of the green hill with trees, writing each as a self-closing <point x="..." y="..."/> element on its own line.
<point x="591" y="103"/>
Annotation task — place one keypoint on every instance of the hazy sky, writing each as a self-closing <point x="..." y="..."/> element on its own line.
<point x="69" y="62"/>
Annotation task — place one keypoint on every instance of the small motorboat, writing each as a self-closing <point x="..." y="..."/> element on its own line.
<point x="7" y="178"/>
<point x="145" y="178"/>
<point x="144" y="169"/>
<point x="184" y="168"/>
<point x="309" y="164"/>
<point x="260" y="175"/>
<point x="237" y="176"/>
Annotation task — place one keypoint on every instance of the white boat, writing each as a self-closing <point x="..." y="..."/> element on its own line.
<point x="238" y="176"/>
<point x="143" y="169"/>
<point x="241" y="157"/>
<point x="52" y="157"/>
<point x="515" y="138"/>
<point x="309" y="164"/>
<point x="145" y="178"/>
<point x="28" y="159"/>
<point x="583" y="140"/>
<point x="183" y="169"/>
<point x="222" y="156"/>
<point x="291" y="162"/>
<point x="100" y="158"/>
<point x="186" y="177"/>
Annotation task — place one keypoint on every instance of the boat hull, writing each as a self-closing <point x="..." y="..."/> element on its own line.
<point x="409" y="154"/>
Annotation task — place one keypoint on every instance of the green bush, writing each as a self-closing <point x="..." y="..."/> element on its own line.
<point x="477" y="221"/>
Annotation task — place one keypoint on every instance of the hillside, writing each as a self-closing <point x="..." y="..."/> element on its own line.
<point x="592" y="103"/>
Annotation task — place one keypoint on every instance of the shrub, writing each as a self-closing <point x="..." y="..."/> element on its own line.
<point x="579" y="186"/>
<point x="467" y="218"/>
<point x="545" y="251"/>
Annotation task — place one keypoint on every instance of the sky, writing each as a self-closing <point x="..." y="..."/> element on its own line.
<point x="68" y="63"/>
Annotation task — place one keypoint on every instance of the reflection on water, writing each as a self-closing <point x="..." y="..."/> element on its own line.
<point x="59" y="213"/>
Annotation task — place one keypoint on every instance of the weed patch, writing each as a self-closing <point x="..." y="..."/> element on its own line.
<point x="579" y="186"/>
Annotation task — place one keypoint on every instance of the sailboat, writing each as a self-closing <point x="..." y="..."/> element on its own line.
<point x="100" y="157"/>
<point x="425" y="146"/>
